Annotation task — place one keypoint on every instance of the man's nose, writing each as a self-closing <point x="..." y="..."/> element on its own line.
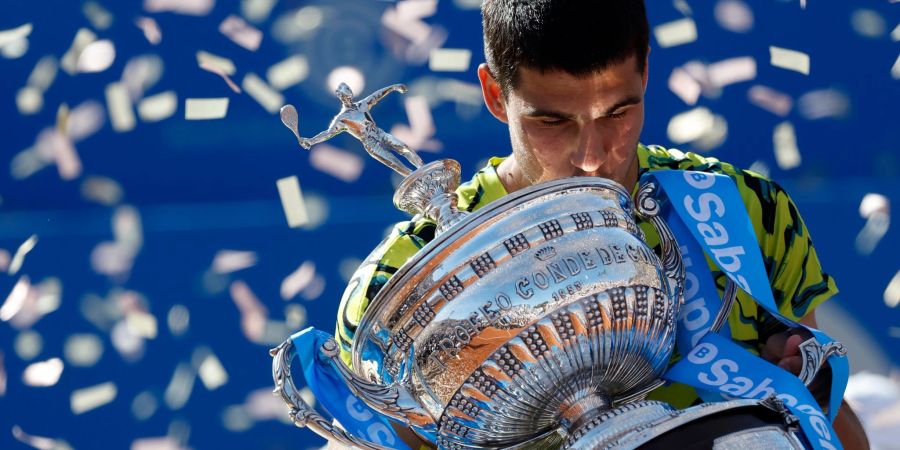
<point x="588" y="156"/>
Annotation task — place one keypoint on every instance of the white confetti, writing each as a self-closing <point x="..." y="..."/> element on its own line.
<point x="421" y="125"/>
<point x="205" y="108"/>
<point x="2" y="376"/>
<point x="140" y="74"/>
<point x="223" y="64"/>
<point x="241" y="33"/>
<point x="157" y="443"/>
<point x="874" y="204"/>
<point x="824" y="103"/>
<point x="684" y="86"/>
<point x="150" y="28"/>
<point x="775" y="102"/>
<point x="19" y="256"/>
<point x="89" y="398"/>
<point x="868" y="23"/>
<point x="895" y="34"/>
<point x="298" y="280"/>
<point x="96" y="57"/>
<point x="352" y="76"/>
<point x="44" y="373"/>
<point x="315" y="288"/>
<point x="178" y="319"/>
<point x="228" y="261"/>
<point x="339" y="163"/>
<point x="876" y="209"/>
<point x="102" y="190"/>
<point x="288" y="73"/>
<point x="144" y="405"/>
<point x="270" y="99"/>
<point x="119" y="105"/>
<point x="212" y="373"/>
<point x="257" y="10"/>
<point x="734" y="15"/>
<point x="895" y="69"/>
<point x="787" y="155"/>
<point x="789" y="59"/>
<point x="44" y="73"/>
<point x="69" y="61"/>
<point x="158" y="107"/>
<point x="297" y="25"/>
<point x="188" y="7"/>
<point x="678" y="32"/>
<point x="292" y="201"/>
<point x="216" y="70"/>
<point x="39" y="442"/>
<point x="15" y="34"/>
<point x="690" y="125"/>
<point x="84" y="120"/>
<point x="29" y="100"/>
<point x="5" y="259"/>
<point x="28" y="344"/>
<point x="99" y="17"/>
<point x="295" y="316"/>
<point x="83" y="350"/>
<point x="15" y="49"/>
<point x="892" y="292"/>
<point x="759" y="167"/>
<point x="180" y="386"/>
<point x="730" y="71"/>
<point x="253" y="313"/>
<point x="141" y="324"/>
<point x="449" y="59"/>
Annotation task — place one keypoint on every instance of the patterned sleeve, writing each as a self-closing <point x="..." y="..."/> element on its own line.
<point x="405" y="240"/>
<point x="798" y="281"/>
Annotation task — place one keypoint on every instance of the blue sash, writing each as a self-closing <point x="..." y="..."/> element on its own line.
<point x="706" y="210"/>
<point x="333" y="394"/>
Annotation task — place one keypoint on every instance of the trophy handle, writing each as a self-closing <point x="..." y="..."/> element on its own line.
<point x="648" y="208"/>
<point x="303" y="415"/>
<point x="815" y="355"/>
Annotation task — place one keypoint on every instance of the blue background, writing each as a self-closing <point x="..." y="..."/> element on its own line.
<point x="204" y="186"/>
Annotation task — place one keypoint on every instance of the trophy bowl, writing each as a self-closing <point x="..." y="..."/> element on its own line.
<point x="527" y="318"/>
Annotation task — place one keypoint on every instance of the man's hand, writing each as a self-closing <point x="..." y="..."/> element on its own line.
<point x="783" y="350"/>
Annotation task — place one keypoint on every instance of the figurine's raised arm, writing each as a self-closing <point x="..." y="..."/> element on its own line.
<point x="376" y="96"/>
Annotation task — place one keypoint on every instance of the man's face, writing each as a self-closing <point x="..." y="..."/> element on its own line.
<point x="561" y="125"/>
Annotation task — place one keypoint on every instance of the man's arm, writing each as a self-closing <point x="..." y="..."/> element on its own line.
<point x="321" y="137"/>
<point x="783" y="349"/>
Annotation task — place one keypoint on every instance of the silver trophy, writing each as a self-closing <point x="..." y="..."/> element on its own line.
<point x="540" y="321"/>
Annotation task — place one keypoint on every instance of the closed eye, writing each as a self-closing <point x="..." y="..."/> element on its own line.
<point x="552" y="122"/>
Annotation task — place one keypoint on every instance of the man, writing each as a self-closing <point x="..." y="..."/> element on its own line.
<point x="568" y="78"/>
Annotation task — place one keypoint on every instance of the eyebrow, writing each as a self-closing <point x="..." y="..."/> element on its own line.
<point x="539" y="112"/>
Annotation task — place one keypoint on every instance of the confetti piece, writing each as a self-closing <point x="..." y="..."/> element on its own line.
<point x="5" y="259"/>
<point x="241" y="33"/>
<point x="39" y="442"/>
<point x="341" y="164"/>
<point x="315" y="288"/>
<point x="158" y="107"/>
<point x="732" y="70"/>
<point x="292" y="201"/>
<point x="789" y="59"/>
<point x="89" y="398"/>
<point x="19" y="256"/>
<point x="228" y="261"/>
<point x="259" y="405"/>
<point x="825" y="103"/>
<point x="775" y="102"/>
<point x="416" y="9"/>
<point x="295" y="316"/>
<point x="96" y="57"/>
<point x="759" y="167"/>
<point x="15" y="300"/>
<point x="287" y="73"/>
<point x="144" y="405"/>
<point x="895" y="69"/>
<point x="270" y="99"/>
<point x="690" y="125"/>
<point x="69" y="61"/>
<point x="111" y="258"/>
<point x="734" y="15"/>
<point x="15" y="49"/>
<point x="346" y="74"/>
<point x="57" y="147"/>
<point x="119" y="105"/>
<point x="297" y="25"/>
<point x="44" y="73"/>
<point x="219" y="72"/>
<point x="44" y="373"/>
<point x="787" y="155"/>
<point x="83" y="350"/>
<point x="187" y="7"/>
<point x="449" y="60"/>
<point x="253" y="313"/>
<point x="28" y="345"/>
<point x="892" y="292"/>
<point x="298" y="280"/>
<point x="205" y="108"/>
<point x="410" y="28"/>
<point x="150" y="28"/>
<point x="128" y="344"/>
<point x="102" y="190"/>
<point x="421" y="125"/>
<point x="141" y="324"/>
<point x="140" y="74"/>
<point x="180" y="386"/>
<point x="14" y="34"/>
<point x="876" y="209"/>
<point x="257" y="10"/>
<point x="2" y="376"/>
<point x="99" y="17"/>
<point x="895" y="34"/>
<point x="223" y="64"/>
<point x="874" y="204"/>
<point x="678" y="32"/>
<point x="236" y="419"/>
<point x="212" y="373"/>
<point x="29" y="100"/>
<point x="178" y="319"/>
<point x="868" y="23"/>
<point x="84" y="120"/>
<point x="684" y="86"/>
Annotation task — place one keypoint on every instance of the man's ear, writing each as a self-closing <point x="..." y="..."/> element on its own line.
<point x="646" y="73"/>
<point x="493" y="95"/>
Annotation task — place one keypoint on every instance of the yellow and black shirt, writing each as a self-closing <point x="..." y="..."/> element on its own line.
<point x="797" y="280"/>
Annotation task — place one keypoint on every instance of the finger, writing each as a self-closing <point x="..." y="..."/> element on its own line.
<point x="792" y="346"/>
<point x="775" y="346"/>
<point x="792" y="364"/>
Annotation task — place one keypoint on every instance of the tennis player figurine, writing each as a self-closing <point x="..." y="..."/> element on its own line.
<point x="354" y="118"/>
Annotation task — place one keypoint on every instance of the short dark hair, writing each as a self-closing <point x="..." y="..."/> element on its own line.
<point x="579" y="37"/>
